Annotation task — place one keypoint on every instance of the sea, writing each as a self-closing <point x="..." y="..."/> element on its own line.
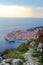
<point x="12" y="24"/>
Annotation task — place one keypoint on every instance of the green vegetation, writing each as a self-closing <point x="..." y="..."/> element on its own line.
<point x="23" y="50"/>
<point x="35" y="52"/>
<point x="37" y="55"/>
<point x="29" y="41"/>
<point x="15" y="54"/>
<point x="19" y="63"/>
<point x="18" y="53"/>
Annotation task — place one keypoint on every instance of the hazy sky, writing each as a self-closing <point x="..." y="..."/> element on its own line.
<point x="21" y="8"/>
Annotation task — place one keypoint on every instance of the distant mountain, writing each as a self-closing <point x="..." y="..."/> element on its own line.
<point x="38" y="27"/>
<point x="32" y="29"/>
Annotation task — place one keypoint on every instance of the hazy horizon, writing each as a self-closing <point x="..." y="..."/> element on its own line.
<point x="19" y="23"/>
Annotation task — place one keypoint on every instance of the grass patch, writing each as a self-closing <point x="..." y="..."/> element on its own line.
<point x="29" y="41"/>
<point x="15" y="54"/>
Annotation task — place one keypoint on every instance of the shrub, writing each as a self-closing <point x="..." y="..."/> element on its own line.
<point x="15" y="54"/>
<point x="35" y="52"/>
<point x="29" y="41"/>
<point x="23" y="47"/>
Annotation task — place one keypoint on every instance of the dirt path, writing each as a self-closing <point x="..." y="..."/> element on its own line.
<point x="29" y="58"/>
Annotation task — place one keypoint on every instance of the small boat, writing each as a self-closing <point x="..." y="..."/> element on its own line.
<point x="10" y="37"/>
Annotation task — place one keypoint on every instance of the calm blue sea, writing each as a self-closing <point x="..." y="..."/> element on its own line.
<point x="13" y="24"/>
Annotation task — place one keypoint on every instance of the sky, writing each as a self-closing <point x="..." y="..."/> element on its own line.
<point x="21" y="8"/>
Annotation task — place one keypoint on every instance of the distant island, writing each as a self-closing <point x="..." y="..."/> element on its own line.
<point x="35" y="28"/>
